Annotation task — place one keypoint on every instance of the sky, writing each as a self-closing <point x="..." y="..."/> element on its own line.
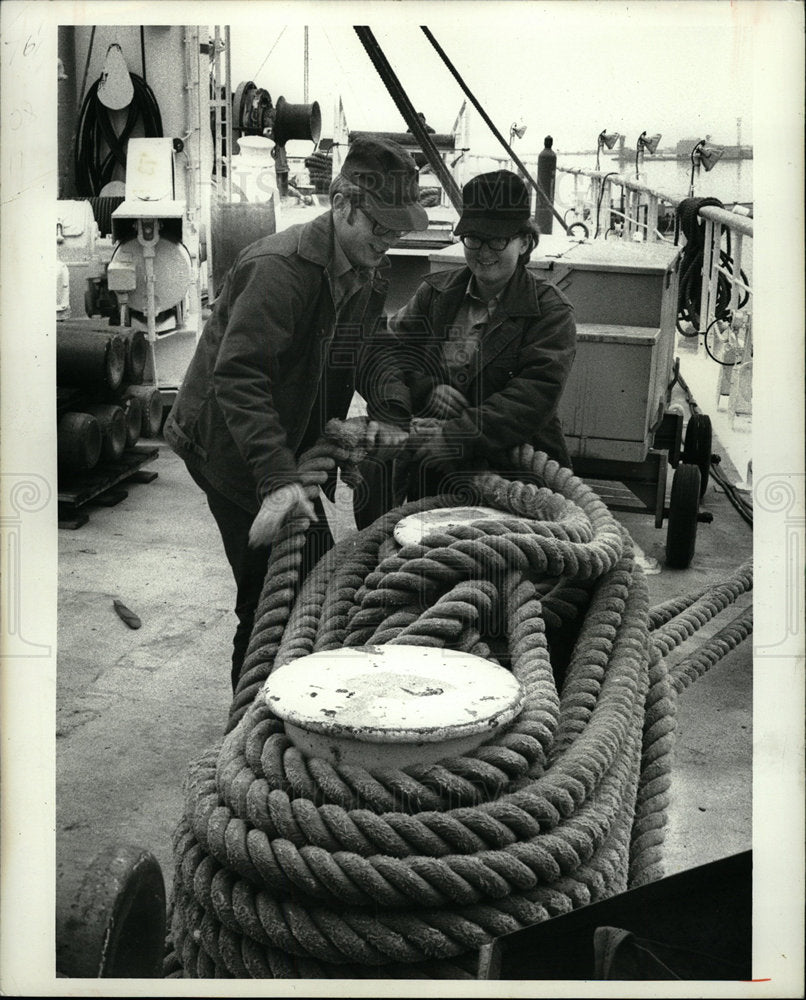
<point x="566" y="67"/>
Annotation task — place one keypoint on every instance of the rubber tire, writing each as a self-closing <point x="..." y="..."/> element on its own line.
<point x="698" y="445"/>
<point x="684" y="504"/>
<point x="111" y="917"/>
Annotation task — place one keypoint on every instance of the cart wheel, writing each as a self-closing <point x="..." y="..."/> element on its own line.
<point x="111" y="917"/>
<point x="697" y="447"/>
<point x="684" y="504"/>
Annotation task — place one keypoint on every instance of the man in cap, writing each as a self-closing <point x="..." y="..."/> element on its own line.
<point x="478" y="357"/>
<point x="278" y="357"/>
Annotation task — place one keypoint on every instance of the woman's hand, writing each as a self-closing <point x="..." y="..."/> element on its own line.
<point x="429" y="444"/>
<point x="445" y="402"/>
<point x="386" y="440"/>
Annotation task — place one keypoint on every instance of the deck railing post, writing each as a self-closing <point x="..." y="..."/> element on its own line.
<point x="652" y="219"/>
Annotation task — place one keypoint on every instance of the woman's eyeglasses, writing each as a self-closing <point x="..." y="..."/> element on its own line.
<point x="496" y="243"/>
<point x="379" y="230"/>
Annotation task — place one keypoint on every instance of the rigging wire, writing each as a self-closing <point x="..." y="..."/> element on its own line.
<point x="406" y="109"/>
<point x="455" y="73"/>
<point x="143" y="51"/>
<point x="255" y="75"/>
<point x="359" y="104"/>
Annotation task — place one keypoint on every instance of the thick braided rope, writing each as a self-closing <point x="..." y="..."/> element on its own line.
<point x="585" y="829"/>
<point x="530" y="659"/>
<point x="281" y="583"/>
<point x="675" y="622"/>
<point x="281" y="859"/>
<point x="710" y="603"/>
<point x="692" y="667"/>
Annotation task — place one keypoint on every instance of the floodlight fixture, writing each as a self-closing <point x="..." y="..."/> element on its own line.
<point x="645" y="144"/>
<point x="608" y="139"/>
<point x="516" y="129"/>
<point x="704" y="154"/>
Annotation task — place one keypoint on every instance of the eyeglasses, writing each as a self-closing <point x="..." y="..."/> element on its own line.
<point x="379" y="230"/>
<point x="496" y="243"/>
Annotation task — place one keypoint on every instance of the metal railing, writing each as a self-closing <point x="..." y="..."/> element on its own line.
<point x="613" y="206"/>
<point x="634" y="212"/>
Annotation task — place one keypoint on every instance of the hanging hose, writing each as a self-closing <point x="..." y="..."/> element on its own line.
<point x="691" y="265"/>
<point x="613" y="173"/>
<point x="290" y="866"/>
<point x="96" y="131"/>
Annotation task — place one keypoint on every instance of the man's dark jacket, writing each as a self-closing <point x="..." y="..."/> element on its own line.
<point x="514" y="382"/>
<point x="250" y="389"/>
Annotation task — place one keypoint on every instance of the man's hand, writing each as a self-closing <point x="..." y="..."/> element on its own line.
<point x="276" y="507"/>
<point x="386" y="440"/>
<point x="445" y="402"/>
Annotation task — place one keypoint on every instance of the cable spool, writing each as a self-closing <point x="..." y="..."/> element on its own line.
<point x="133" y="410"/>
<point x="89" y="360"/>
<point x="136" y="355"/>
<point x="112" y="421"/>
<point x="78" y="442"/>
<point x="235" y="226"/>
<point x="152" y="406"/>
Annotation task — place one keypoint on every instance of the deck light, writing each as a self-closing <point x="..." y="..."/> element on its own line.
<point x="516" y="129"/>
<point x="704" y="154"/>
<point x="645" y="144"/>
<point x="608" y="139"/>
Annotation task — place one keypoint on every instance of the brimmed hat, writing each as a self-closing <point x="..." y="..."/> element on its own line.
<point x="387" y="176"/>
<point x="494" y="204"/>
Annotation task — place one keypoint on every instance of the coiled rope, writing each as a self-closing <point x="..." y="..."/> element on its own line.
<point x="101" y="149"/>
<point x="290" y="866"/>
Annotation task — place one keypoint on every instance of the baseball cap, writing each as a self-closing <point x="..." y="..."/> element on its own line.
<point x="494" y="204"/>
<point x="387" y="176"/>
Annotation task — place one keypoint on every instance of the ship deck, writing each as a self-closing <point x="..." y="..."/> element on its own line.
<point x="134" y="708"/>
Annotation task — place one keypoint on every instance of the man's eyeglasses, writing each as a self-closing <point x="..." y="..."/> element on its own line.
<point x="379" y="230"/>
<point x="496" y="243"/>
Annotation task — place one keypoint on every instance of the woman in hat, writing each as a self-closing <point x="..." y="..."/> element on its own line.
<point x="477" y="360"/>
